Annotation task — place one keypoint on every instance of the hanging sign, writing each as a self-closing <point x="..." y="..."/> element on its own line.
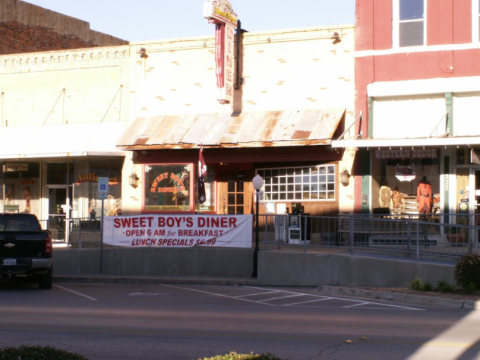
<point x="16" y="167"/>
<point x="475" y="156"/>
<point x="221" y="14"/>
<point x="178" y="231"/>
<point x="405" y="173"/>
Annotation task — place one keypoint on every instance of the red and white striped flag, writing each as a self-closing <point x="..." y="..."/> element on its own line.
<point x="202" y="171"/>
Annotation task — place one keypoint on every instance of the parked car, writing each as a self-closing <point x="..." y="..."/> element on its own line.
<point x="25" y="249"/>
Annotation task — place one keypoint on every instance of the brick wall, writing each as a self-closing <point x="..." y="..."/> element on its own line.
<point x="18" y="38"/>
<point x="27" y="28"/>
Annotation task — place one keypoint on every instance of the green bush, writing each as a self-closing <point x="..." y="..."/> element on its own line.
<point x="416" y="284"/>
<point x="445" y="287"/>
<point x="234" y="356"/>
<point x="427" y="286"/>
<point x="467" y="273"/>
<point x="469" y="288"/>
<point x="37" y="353"/>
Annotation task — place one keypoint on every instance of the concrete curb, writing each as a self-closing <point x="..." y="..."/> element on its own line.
<point x="403" y="298"/>
<point x="108" y="279"/>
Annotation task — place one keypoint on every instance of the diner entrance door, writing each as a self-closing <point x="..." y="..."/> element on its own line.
<point x="59" y="212"/>
<point x="476" y="196"/>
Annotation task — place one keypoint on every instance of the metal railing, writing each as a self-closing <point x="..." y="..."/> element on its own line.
<point x="420" y="236"/>
<point x="439" y="236"/>
<point x="78" y="232"/>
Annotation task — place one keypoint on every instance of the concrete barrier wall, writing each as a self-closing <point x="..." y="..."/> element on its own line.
<point x="155" y="262"/>
<point x="290" y="269"/>
<point x="274" y="268"/>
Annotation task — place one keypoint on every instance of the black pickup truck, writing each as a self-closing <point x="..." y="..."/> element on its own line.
<point x="25" y="249"/>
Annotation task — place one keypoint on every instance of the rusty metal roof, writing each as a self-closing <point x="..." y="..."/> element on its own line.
<point x="253" y="129"/>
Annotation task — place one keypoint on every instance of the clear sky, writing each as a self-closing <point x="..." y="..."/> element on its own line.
<point x="137" y="20"/>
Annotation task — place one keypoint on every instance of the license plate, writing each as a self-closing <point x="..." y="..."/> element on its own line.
<point x="7" y="262"/>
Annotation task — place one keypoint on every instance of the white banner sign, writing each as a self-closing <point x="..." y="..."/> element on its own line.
<point x="178" y="230"/>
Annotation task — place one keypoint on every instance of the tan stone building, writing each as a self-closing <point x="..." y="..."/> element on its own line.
<point x="294" y="93"/>
<point x="61" y="112"/>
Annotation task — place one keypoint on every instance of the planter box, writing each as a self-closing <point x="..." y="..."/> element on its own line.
<point x="456" y="238"/>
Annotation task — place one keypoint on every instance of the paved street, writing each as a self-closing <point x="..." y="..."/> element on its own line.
<point x="133" y="321"/>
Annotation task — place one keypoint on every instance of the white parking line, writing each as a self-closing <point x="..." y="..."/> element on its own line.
<point x="147" y="294"/>
<point x="264" y="293"/>
<point x="76" y="293"/>
<point x="281" y="297"/>
<point x="357" y="303"/>
<point x="210" y="293"/>
<point x="310" y="301"/>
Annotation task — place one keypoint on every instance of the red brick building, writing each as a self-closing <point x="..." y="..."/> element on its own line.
<point x="417" y="68"/>
<point x="28" y="28"/>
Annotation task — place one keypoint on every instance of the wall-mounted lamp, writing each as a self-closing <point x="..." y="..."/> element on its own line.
<point x="336" y="37"/>
<point x="143" y="53"/>
<point x="344" y="177"/>
<point x="133" y="180"/>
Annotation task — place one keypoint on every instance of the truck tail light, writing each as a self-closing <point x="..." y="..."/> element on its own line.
<point x="48" y="245"/>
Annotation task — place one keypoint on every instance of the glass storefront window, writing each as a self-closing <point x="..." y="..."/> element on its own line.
<point x="168" y="188"/>
<point x="312" y="183"/>
<point x="86" y="203"/>
<point x="59" y="173"/>
<point x="396" y="175"/>
<point x="21" y="188"/>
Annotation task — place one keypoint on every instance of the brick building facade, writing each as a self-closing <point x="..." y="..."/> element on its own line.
<point x="26" y="28"/>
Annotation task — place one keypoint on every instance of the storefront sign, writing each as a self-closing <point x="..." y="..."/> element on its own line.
<point x="27" y="181"/>
<point x="168" y="187"/>
<point x="221" y="14"/>
<point x="93" y="177"/>
<point x="16" y="167"/>
<point x="406" y="154"/>
<point x="179" y="231"/>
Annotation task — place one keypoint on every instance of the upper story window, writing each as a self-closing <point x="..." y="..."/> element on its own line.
<point x="409" y="20"/>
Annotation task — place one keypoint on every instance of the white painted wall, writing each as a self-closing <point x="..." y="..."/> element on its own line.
<point x="408" y="117"/>
<point x="466" y="115"/>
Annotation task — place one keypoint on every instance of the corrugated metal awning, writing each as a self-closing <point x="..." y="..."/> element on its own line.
<point x="254" y="129"/>
<point x="94" y="139"/>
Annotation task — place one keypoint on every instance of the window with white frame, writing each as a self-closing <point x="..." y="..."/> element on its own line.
<point x="409" y="16"/>
<point x="314" y="183"/>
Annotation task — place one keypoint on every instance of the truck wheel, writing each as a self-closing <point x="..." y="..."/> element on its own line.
<point x="45" y="280"/>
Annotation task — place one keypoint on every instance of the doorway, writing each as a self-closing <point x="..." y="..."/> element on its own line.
<point x="477" y="192"/>
<point x="59" y="199"/>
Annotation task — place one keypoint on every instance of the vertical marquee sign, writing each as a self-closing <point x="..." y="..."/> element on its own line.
<point x="220" y="13"/>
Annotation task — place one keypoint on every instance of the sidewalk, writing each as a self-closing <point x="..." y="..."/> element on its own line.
<point x="397" y="295"/>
